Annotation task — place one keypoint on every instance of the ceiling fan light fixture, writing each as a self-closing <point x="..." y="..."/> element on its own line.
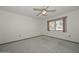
<point x="44" y="12"/>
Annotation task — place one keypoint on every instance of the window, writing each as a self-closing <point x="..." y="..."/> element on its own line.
<point x="57" y="24"/>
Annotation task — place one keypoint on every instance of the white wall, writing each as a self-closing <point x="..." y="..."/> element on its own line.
<point x="72" y="27"/>
<point x="15" y="27"/>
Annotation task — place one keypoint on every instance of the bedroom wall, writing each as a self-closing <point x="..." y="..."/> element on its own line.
<point x="72" y="33"/>
<point x="16" y="27"/>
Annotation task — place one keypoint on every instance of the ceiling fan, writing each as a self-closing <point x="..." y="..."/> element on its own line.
<point x="44" y="11"/>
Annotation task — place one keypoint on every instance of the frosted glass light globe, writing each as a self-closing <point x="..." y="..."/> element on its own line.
<point x="44" y="12"/>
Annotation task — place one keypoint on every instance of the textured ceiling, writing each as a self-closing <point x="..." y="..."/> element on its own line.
<point x="28" y="10"/>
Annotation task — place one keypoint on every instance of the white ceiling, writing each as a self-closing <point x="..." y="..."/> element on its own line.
<point x="28" y="10"/>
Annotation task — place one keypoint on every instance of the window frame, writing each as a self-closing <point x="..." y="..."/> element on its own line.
<point x="64" y="24"/>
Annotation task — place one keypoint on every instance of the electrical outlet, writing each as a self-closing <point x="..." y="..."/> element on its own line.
<point x="69" y="35"/>
<point x="19" y="35"/>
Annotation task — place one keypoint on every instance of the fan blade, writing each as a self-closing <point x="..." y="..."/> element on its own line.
<point x="38" y="14"/>
<point x="37" y="9"/>
<point x="51" y="10"/>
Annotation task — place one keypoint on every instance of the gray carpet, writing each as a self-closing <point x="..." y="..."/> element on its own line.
<point x="42" y="44"/>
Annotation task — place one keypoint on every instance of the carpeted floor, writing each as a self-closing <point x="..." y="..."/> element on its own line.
<point x="42" y="44"/>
